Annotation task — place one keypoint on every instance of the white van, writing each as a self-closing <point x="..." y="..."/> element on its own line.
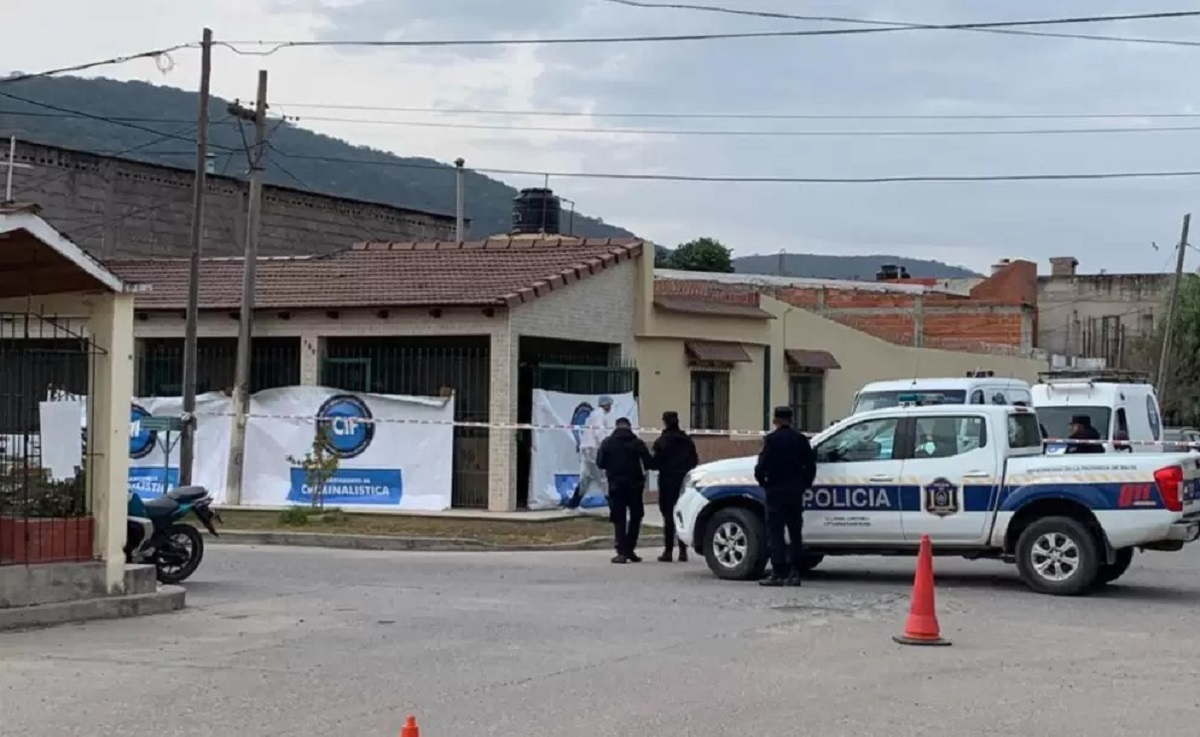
<point x="977" y="387"/>
<point x="1121" y="405"/>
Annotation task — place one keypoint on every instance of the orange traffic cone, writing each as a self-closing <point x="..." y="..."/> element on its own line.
<point x="410" y="728"/>
<point x="921" y="627"/>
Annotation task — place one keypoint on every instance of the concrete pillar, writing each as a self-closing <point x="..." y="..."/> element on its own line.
<point x="109" y="396"/>
<point x="502" y="444"/>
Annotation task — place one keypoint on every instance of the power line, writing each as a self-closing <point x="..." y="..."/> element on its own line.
<point x="277" y="45"/>
<point x="157" y="54"/>
<point x="737" y="116"/>
<point x="753" y="133"/>
<point x="101" y="118"/>
<point x="762" y="179"/>
<point x="674" y="131"/>
<point x="891" y="25"/>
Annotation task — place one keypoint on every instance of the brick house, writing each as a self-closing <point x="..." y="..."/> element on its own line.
<point x="996" y="315"/>
<point x="489" y="319"/>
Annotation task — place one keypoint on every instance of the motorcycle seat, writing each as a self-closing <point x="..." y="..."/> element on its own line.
<point x="160" y="506"/>
<point x="185" y="494"/>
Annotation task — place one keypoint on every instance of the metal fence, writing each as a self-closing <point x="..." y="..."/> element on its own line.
<point x="44" y="515"/>
<point x="426" y="367"/>
<point x="274" y="362"/>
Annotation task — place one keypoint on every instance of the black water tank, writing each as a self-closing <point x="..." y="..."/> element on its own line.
<point x="536" y="211"/>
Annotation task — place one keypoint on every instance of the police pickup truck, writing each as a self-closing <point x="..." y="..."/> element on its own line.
<point x="971" y="477"/>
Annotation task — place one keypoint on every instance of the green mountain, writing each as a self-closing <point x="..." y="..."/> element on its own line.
<point x="156" y="124"/>
<point x="300" y="158"/>
<point x="858" y="268"/>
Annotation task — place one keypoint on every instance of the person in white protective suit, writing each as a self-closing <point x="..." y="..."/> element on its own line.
<point x="599" y="426"/>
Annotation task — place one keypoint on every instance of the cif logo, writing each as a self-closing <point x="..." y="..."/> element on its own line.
<point x="349" y="427"/>
<point x="579" y="417"/>
<point x="141" y="441"/>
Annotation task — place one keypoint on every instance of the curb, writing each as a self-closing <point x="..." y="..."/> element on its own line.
<point x="414" y="544"/>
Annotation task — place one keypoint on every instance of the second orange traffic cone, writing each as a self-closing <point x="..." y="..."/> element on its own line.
<point x="921" y="627"/>
<point x="410" y="728"/>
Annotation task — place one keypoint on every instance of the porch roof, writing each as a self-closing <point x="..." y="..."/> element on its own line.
<point x="36" y="259"/>
<point x="501" y="272"/>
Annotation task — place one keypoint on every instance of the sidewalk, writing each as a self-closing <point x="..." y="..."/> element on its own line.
<point x="653" y="516"/>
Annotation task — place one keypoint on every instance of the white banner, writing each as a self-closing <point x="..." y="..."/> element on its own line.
<point x="397" y="465"/>
<point x="555" y="462"/>
<point x="150" y="474"/>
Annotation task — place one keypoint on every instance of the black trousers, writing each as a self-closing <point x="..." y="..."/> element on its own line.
<point x="626" y="509"/>
<point x="785" y="512"/>
<point x="669" y="488"/>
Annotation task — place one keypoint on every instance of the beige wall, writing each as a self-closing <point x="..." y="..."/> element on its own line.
<point x="663" y="383"/>
<point x="664" y="371"/>
<point x="865" y="358"/>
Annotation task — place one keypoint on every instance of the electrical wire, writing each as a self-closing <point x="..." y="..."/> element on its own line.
<point x="895" y="25"/>
<point x="156" y="54"/>
<point x="763" y="179"/>
<point x="101" y="118"/>
<point x="278" y="45"/>
<point x="680" y="132"/>
<point x="735" y="116"/>
<point x="750" y="133"/>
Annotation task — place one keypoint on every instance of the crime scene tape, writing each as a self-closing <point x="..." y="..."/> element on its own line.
<point x="646" y="430"/>
<point x="484" y="425"/>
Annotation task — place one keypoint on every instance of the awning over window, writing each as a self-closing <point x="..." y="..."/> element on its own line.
<point x="712" y="352"/>
<point x="811" y="360"/>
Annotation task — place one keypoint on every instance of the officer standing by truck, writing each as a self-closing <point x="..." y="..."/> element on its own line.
<point x="785" y="469"/>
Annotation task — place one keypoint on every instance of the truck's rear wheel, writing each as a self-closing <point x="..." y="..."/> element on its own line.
<point x="1109" y="573"/>
<point x="735" y="544"/>
<point x="1058" y="556"/>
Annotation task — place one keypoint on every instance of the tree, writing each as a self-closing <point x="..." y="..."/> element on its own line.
<point x="702" y="254"/>
<point x="318" y="464"/>
<point x="1180" y="395"/>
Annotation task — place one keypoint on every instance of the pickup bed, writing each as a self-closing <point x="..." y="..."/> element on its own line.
<point x="971" y="477"/>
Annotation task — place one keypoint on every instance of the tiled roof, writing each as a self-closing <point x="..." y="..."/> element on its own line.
<point x="687" y="306"/>
<point x="498" y="271"/>
<point x="707" y="351"/>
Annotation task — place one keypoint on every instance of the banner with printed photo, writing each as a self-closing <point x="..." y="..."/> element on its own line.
<point x="555" y="457"/>
<point x="402" y="460"/>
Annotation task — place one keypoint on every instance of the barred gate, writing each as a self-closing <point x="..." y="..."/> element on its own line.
<point x="426" y="367"/>
<point x="44" y="515"/>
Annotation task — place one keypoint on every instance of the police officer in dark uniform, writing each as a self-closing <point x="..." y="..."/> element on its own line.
<point x="674" y="456"/>
<point x="625" y="459"/>
<point x="786" y="468"/>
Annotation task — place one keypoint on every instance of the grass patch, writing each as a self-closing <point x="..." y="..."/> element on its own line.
<point x="332" y="520"/>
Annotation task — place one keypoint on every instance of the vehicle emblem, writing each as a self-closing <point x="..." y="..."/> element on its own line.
<point x="941" y="498"/>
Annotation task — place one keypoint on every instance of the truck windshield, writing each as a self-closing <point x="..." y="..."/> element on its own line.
<point x="868" y="401"/>
<point x="1055" y="420"/>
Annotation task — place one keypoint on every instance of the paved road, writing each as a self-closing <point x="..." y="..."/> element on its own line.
<point x="290" y="642"/>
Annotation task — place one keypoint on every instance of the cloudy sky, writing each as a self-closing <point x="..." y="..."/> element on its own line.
<point x="1107" y="225"/>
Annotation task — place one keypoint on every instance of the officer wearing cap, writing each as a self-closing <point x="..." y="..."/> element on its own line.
<point x="785" y="469"/>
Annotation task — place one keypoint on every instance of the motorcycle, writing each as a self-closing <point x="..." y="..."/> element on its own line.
<point x="156" y="533"/>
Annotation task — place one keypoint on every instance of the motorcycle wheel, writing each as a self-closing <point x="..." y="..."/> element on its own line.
<point x="184" y="539"/>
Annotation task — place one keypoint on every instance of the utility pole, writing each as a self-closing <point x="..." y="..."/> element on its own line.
<point x="241" y="382"/>
<point x="1164" y="360"/>
<point x="459" y="221"/>
<point x="187" y="442"/>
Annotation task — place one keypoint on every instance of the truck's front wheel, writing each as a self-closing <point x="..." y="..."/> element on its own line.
<point x="735" y="544"/>
<point x="1058" y="556"/>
